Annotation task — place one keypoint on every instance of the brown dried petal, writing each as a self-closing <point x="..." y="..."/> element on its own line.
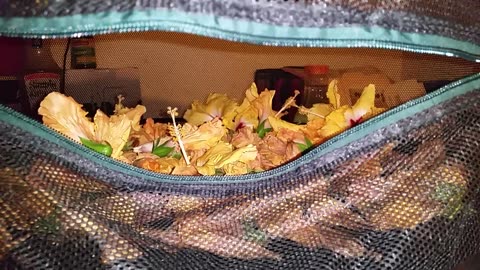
<point x="114" y="247"/>
<point x="273" y="204"/>
<point x="292" y="151"/>
<point x="153" y="207"/>
<point x="244" y="136"/>
<point x="335" y="213"/>
<point x="403" y="214"/>
<point x="273" y="144"/>
<point x="271" y="152"/>
<point x="287" y="135"/>
<point x="154" y="130"/>
<point x="312" y="128"/>
<point x="185" y="170"/>
<point x="323" y="236"/>
<point x="119" y="208"/>
<point x="150" y="164"/>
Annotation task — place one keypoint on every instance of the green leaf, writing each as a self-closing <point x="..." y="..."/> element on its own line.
<point x="101" y="148"/>
<point x="49" y="224"/>
<point x="176" y="155"/>
<point x="447" y="192"/>
<point x="300" y="119"/>
<point x="162" y="151"/>
<point x="253" y="233"/>
<point x="302" y="147"/>
<point x="309" y="143"/>
<point x="451" y="196"/>
<point x="128" y="146"/>
<point x="262" y="131"/>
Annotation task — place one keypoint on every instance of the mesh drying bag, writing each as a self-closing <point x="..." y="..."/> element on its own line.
<point x="399" y="191"/>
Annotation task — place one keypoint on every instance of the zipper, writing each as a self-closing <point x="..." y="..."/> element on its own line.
<point x="208" y="31"/>
<point x="26" y="123"/>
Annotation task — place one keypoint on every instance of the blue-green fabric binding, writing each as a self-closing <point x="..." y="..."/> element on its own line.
<point x="236" y="30"/>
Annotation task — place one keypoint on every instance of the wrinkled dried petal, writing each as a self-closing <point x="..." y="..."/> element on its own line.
<point x="312" y="128"/>
<point x="120" y="208"/>
<point x="244" y="137"/>
<point x="185" y="170"/>
<point x="402" y="214"/>
<point x="154" y="130"/>
<point x="292" y="151"/>
<point x="322" y="236"/>
<point x="150" y="164"/>
<point x="205" y="137"/>
<point x="114" y="248"/>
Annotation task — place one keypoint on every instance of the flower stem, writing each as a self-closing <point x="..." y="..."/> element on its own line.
<point x="305" y="111"/>
<point x="173" y="112"/>
<point x="288" y="103"/>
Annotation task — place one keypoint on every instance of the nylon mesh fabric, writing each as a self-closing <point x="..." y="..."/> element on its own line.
<point x="404" y="197"/>
<point x="455" y="19"/>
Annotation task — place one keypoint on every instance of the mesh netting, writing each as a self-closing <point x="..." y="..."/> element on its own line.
<point x="194" y="66"/>
<point x="404" y="197"/>
<point x="455" y="19"/>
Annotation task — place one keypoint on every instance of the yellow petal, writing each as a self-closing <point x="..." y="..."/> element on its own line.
<point x="247" y="118"/>
<point x="319" y="109"/>
<point x="247" y="113"/>
<point x="219" y="105"/>
<point x="263" y="104"/>
<point x="114" y="130"/>
<point x="205" y="137"/>
<point x="243" y="154"/>
<point x="216" y="106"/>
<point x="133" y="114"/>
<point x="332" y="94"/>
<point x="66" y="116"/>
<point x="206" y="169"/>
<point x="187" y="128"/>
<point x="197" y="115"/>
<point x="228" y="119"/>
<point x="102" y="126"/>
<point x="222" y="154"/>
<point x="206" y="164"/>
<point x="236" y="168"/>
<point x="215" y="154"/>
<point x="335" y="122"/>
<point x="251" y="93"/>
<point x="365" y="103"/>
<point x="278" y="124"/>
<point x="373" y="112"/>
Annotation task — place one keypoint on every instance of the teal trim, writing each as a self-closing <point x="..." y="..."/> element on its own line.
<point x="408" y="109"/>
<point x="236" y="30"/>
